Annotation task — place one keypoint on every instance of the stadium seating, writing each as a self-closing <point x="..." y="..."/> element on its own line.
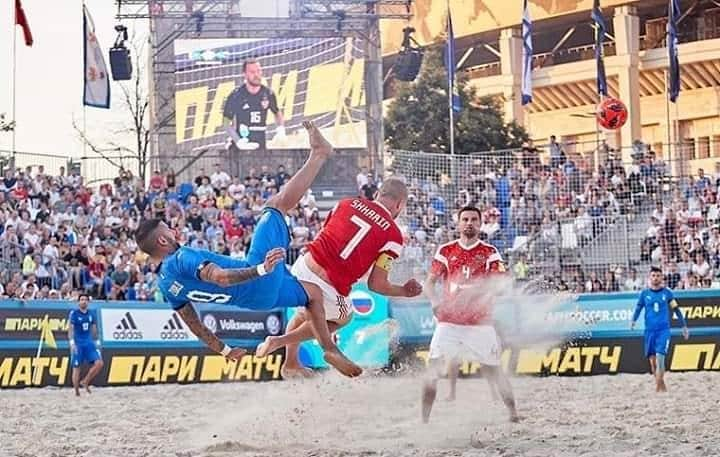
<point x="566" y="226"/>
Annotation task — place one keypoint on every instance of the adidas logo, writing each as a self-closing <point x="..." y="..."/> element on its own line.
<point x="174" y="329"/>
<point x="127" y="329"/>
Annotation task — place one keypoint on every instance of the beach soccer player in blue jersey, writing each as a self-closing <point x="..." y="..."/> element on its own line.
<point x="261" y="281"/>
<point x="658" y="301"/>
<point x="84" y="345"/>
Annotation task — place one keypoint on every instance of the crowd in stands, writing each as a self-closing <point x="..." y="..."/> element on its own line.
<point x="60" y="237"/>
<point x="536" y="205"/>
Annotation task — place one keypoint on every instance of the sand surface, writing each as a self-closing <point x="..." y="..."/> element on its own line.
<point x="603" y="416"/>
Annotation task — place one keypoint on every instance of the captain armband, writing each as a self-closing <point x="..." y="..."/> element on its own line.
<point x="385" y="262"/>
<point x="673" y="304"/>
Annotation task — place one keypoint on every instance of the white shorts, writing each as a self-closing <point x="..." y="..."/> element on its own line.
<point x="471" y="343"/>
<point x="337" y="306"/>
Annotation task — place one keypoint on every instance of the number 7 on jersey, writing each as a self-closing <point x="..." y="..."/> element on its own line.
<point x="363" y="230"/>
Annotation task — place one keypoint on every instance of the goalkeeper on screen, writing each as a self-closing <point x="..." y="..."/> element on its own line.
<point x="657" y="302"/>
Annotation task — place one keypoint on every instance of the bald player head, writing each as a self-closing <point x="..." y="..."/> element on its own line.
<point x="393" y="195"/>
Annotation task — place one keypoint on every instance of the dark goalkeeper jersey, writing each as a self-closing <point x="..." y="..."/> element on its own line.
<point x="249" y="112"/>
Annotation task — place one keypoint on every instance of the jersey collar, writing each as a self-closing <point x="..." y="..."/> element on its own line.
<point x="470" y="246"/>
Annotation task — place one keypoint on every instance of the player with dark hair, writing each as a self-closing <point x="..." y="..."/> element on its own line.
<point x="261" y="281"/>
<point x="360" y="236"/>
<point x="658" y="302"/>
<point x="84" y="343"/>
<point x="245" y="110"/>
<point x="465" y="329"/>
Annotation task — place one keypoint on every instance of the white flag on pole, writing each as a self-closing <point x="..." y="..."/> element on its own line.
<point x="96" y="78"/>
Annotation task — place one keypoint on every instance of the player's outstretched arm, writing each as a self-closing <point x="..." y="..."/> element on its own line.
<point x="380" y="283"/>
<point x="226" y="277"/>
<point x="429" y="287"/>
<point x="191" y="318"/>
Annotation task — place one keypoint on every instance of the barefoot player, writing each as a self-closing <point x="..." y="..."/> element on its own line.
<point x="658" y="302"/>
<point x="465" y="329"/>
<point x="84" y="345"/>
<point x="262" y="281"/>
<point x="359" y="236"/>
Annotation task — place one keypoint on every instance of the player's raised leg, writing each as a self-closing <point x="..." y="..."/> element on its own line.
<point x="290" y="195"/>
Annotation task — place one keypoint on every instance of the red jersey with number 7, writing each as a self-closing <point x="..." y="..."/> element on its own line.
<point x="462" y="269"/>
<point x="356" y="232"/>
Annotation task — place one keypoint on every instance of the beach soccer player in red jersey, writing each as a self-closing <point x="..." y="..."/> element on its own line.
<point x="359" y="236"/>
<point x="465" y="330"/>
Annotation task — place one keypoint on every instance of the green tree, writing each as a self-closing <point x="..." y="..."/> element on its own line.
<point x="418" y="117"/>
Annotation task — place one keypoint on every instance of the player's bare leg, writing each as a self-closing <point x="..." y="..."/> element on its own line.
<point x="453" y="367"/>
<point x="291" y="367"/>
<point x="503" y="384"/>
<point x="316" y="317"/>
<point x="92" y="372"/>
<point x="76" y="380"/>
<point x="298" y="330"/>
<point x="660" y="373"/>
<point x="429" y="391"/>
<point x="320" y="149"/>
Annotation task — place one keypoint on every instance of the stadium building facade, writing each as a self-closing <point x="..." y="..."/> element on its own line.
<point x="489" y="52"/>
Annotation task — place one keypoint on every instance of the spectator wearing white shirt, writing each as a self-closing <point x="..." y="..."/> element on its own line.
<point x="51" y="253"/>
<point x="361" y="179"/>
<point x="236" y="189"/>
<point x="307" y="199"/>
<point x="491" y="225"/>
<point x="701" y="268"/>
<point x="632" y="282"/>
<point x="583" y="226"/>
<point x="205" y="191"/>
<point x="219" y="179"/>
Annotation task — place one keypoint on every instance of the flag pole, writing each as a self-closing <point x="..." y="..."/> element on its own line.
<point x="39" y="350"/>
<point x="451" y="83"/>
<point x="667" y="117"/>
<point x="14" y="85"/>
<point x="84" y="113"/>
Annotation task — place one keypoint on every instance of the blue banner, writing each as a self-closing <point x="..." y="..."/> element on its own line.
<point x="577" y="317"/>
<point x="365" y="340"/>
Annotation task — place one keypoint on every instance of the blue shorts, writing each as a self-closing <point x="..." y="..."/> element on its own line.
<point x="657" y="342"/>
<point x="279" y="289"/>
<point x="85" y="353"/>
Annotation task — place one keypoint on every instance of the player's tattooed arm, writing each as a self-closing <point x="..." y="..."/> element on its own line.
<point x="191" y="318"/>
<point x="226" y="277"/>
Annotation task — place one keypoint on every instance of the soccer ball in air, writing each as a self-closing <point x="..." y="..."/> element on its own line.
<point x="611" y="113"/>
